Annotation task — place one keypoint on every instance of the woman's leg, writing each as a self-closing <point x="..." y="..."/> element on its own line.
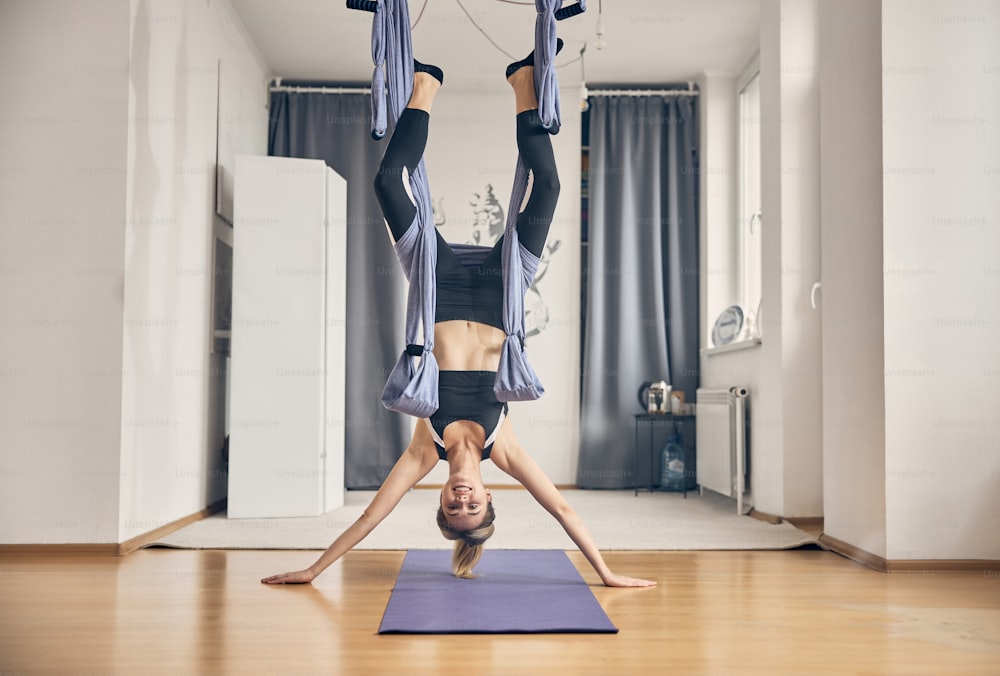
<point x="405" y="149"/>
<point x="534" y="143"/>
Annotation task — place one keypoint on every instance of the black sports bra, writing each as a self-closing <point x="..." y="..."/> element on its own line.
<point x="467" y="395"/>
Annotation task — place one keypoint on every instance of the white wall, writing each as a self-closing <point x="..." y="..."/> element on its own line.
<point x="851" y="299"/>
<point x="172" y="406"/>
<point x="719" y="105"/>
<point x="801" y="345"/>
<point x="783" y="373"/>
<point x="911" y="280"/>
<point x="941" y="157"/>
<point x="758" y="367"/>
<point x="767" y="470"/>
<point x="62" y="195"/>
<point x="472" y="145"/>
<point x="112" y="414"/>
<point x="719" y="251"/>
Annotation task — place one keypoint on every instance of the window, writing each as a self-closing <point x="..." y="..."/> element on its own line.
<point x="749" y="223"/>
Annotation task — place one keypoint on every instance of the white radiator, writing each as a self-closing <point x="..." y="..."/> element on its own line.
<point x="720" y="427"/>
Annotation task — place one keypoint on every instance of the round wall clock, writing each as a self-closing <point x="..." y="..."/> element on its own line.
<point x="727" y="326"/>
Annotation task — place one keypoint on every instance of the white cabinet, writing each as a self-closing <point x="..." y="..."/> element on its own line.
<point x="286" y="440"/>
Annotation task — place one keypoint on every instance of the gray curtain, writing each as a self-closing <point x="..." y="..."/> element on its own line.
<point x="336" y="128"/>
<point x="642" y="293"/>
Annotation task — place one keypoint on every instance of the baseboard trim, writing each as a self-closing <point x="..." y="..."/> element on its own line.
<point x="930" y="566"/>
<point x="60" y="549"/>
<point x="806" y="522"/>
<point x="856" y="554"/>
<point x="140" y="541"/>
<point x="110" y="549"/>
<point x="909" y="566"/>
<point x="764" y="516"/>
<point x="800" y="522"/>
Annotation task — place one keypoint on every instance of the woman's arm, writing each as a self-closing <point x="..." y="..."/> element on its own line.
<point x="515" y="461"/>
<point x="418" y="460"/>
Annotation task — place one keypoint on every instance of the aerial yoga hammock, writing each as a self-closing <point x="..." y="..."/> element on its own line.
<point x="412" y="387"/>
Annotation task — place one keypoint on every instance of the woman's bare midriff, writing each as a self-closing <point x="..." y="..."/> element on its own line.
<point x="461" y="345"/>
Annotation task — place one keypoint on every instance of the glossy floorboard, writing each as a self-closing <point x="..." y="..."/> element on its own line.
<point x="204" y="612"/>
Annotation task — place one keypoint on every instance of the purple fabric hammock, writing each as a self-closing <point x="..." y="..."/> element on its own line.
<point x="412" y="386"/>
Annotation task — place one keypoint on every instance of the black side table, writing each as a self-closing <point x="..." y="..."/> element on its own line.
<point x="651" y="434"/>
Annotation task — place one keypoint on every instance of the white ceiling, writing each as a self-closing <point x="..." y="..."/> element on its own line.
<point x="648" y="41"/>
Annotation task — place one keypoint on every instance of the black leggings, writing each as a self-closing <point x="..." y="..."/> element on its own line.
<point x="406" y="147"/>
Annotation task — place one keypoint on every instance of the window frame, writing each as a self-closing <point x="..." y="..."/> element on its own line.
<point x="746" y="220"/>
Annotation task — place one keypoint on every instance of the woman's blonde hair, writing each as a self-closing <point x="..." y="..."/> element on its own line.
<point x="468" y="543"/>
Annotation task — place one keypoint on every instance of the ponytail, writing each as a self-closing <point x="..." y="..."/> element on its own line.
<point x="468" y="544"/>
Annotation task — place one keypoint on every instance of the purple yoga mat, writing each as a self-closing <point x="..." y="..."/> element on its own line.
<point x="517" y="592"/>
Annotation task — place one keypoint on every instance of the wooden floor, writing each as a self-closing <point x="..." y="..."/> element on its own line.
<point x="204" y="612"/>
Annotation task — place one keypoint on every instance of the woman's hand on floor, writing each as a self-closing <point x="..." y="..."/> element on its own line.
<point x="613" y="580"/>
<point x="295" y="577"/>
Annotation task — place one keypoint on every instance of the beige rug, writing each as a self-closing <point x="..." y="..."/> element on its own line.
<point x="616" y="519"/>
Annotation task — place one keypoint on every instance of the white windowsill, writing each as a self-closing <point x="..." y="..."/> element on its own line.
<point x="732" y="347"/>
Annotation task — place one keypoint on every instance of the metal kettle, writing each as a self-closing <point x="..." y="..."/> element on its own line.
<point x="654" y="396"/>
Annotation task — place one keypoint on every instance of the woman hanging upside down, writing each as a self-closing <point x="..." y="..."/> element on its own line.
<point x="470" y="425"/>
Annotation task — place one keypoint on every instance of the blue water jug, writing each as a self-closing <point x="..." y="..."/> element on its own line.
<point x="672" y="459"/>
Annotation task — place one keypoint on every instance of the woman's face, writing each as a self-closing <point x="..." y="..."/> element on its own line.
<point x="464" y="502"/>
